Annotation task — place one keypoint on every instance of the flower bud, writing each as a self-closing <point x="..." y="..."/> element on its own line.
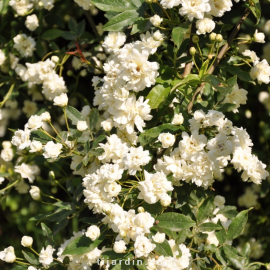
<point x="46" y="117"/>
<point x="219" y="38"/>
<point x="210" y="56"/>
<point x="70" y="73"/>
<point x="52" y="175"/>
<point x="195" y="39"/>
<point x="82" y="125"/>
<point x="149" y="1"/>
<point x="83" y="73"/>
<point x="156" y="20"/>
<point x="212" y="37"/>
<point x="55" y="59"/>
<point x="61" y="100"/>
<point x="192" y="50"/>
<point x="119" y="247"/>
<point x="27" y="241"/>
<point x="35" y="193"/>
<point x="259" y="37"/>
<point x="141" y="209"/>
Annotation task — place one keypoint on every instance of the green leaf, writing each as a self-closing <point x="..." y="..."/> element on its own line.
<point x="94" y="116"/>
<point x="19" y="267"/>
<point x="225" y="107"/>
<point x="153" y="209"/>
<point x="121" y="21"/>
<point x="81" y="245"/>
<point x="221" y="236"/>
<point x="98" y="140"/>
<point x="237" y="225"/>
<point x="174" y="221"/>
<point x="211" y="248"/>
<point x="178" y="34"/>
<point x="212" y="80"/>
<point x="231" y="252"/>
<point x="72" y="25"/>
<point x="52" y="34"/>
<point x="206" y="209"/>
<point x="31" y="258"/>
<point x="164" y="248"/>
<point x="154" y="132"/>
<point x="209" y="227"/>
<point x="69" y="35"/>
<point x="111" y="255"/>
<point x="141" y="25"/>
<point x="241" y="74"/>
<point x="256" y="10"/>
<point x="228" y="211"/>
<point x="157" y="94"/>
<point x="115" y="5"/>
<point x="74" y="115"/>
<point x="48" y="233"/>
<point x="97" y="152"/>
<point x="219" y="257"/>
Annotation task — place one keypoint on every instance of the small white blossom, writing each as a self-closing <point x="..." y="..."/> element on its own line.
<point x="32" y="22"/>
<point x="27" y="241"/>
<point x="156" y="20"/>
<point x="27" y="171"/>
<point x="159" y="237"/>
<point x="82" y="125"/>
<point x="259" y="37"/>
<point x="8" y="255"/>
<point x="52" y="150"/>
<point x="35" y="193"/>
<point x="61" y="100"/>
<point x="46" y="256"/>
<point x="178" y="119"/>
<point x="204" y="26"/>
<point x="167" y="139"/>
<point x="2" y="57"/>
<point x="35" y="146"/>
<point x="93" y="232"/>
<point x="143" y="246"/>
<point x="119" y="246"/>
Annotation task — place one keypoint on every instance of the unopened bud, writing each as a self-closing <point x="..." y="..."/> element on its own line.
<point x="141" y="209"/>
<point x="219" y="38"/>
<point x="55" y="59"/>
<point x="27" y="241"/>
<point x="210" y="56"/>
<point x="70" y="73"/>
<point x="35" y="193"/>
<point x="157" y="222"/>
<point x="156" y="257"/>
<point x="212" y="37"/>
<point x="192" y="50"/>
<point x="149" y="1"/>
<point x="195" y="39"/>
<point x="51" y="175"/>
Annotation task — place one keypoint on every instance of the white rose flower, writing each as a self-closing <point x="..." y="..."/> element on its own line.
<point x="46" y="117"/>
<point x="32" y="268"/>
<point x="82" y="125"/>
<point x="93" y="232"/>
<point x="159" y="237"/>
<point x="45" y="256"/>
<point x="119" y="246"/>
<point x="35" y="146"/>
<point x="143" y="246"/>
<point x="114" y="41"/>
<point x="24" y="45"/>
<point x="170" y="3"/>
<point x="34" y="122"/>
<point x="52" y="150"/>
<point x="156" y="20"/>
<point x="204" y="26"/>
<point x="32" y="22"/>
<point x="21" y="139"/>
<point x="212" y="239"/>
<point x="6" y="144"/>
<point x="144" y="221"/>
<point x="27" y="171"/>
<point x="35" y="193"/>
<point x="261" y="72"/>
<point x="259" y="37"/>
<point x="2" y="179"/>
<point x="167" y="139"/>
<point x="8" y="255"/>
<point x="178" y="119"/>
<point x="255" y="59"/>
<point x="27" y="241"/>
<point x="7" y="154"/>
<point x="61" y="100"/>
<point x="2" y="57"/>
<point x="107" y="125"/>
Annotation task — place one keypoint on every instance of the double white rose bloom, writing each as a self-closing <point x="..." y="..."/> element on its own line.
<point x="93" y="232"/>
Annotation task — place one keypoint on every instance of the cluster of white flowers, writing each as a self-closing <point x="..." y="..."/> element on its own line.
<point x="200" y="160"/>
<point x="250" y="197"/>
<point x="43" y="73"/>
<point x="24" y="45"/>
<point x="128" y="69"/>
<point x="23" y="7"/>
<point x="83" y="261"/>
<point x="199" y="9"/>
<point x="164" y="263"/>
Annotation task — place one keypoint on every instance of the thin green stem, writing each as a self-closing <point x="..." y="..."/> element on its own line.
<point x="34" y="251"/>
<point x="65" y="114"/>
<point x="51" y="197"/>
<point x="7" y="95"/>
<point x="63" y="188"/>
<point x="8" y="187"/>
